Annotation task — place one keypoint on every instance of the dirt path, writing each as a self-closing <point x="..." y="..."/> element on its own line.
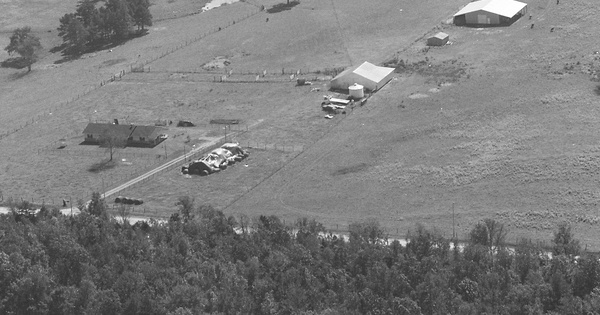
<point x="160" y="168"/>
<point x="171" y="163"/>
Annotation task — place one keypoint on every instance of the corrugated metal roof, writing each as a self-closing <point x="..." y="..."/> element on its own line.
<point x="440" y="35"/>
<point x="373" y="72"/>
<point x="507" y="8"/>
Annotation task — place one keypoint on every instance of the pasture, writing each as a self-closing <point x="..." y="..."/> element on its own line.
<point x="502" y="123"/>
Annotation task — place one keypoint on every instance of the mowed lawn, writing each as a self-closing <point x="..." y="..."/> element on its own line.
<point x="316" y="35"/>
<point x="270" y="114"/>
<point x="52" y="83"/>
<point x="500" y="124"/>
<point x="513" y="138"/>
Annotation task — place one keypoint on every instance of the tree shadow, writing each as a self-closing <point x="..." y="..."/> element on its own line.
<point x="58" y="48"/>
<point x="15" y="63"/>
<point x="18" y="75"/>
<point x="102" y="166"/>
<point x="283" y="7"/>
<point x="95" y="47"/>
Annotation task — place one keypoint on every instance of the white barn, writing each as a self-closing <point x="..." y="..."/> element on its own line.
<point x="370" y="76"/>
<point x="490" y="12"/>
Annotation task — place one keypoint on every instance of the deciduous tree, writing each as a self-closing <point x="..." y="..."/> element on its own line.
<point x="112" y="142"/>
<point x="74" y="34"/>
<point x="27" y="45"/>
<point x="140" y="13"/>
<point x="565" y="242"/>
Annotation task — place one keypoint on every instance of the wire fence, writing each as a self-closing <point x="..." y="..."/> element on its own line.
<point x="141" y="169"/>
<point x="254" y="72"/>
<point x="148" y="162"/>
<point x="118" y="76"/>
<point x="144" y="66"/>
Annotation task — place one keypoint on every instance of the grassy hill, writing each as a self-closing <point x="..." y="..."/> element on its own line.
<point x="500" y="124"/>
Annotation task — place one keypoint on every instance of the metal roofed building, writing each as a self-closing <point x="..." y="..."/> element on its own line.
<point x="370" y="76"/>
<point x="490" y="12"/>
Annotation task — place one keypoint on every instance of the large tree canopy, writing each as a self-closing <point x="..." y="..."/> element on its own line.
<point x="27" y="45"/>
<point x="202" y="262"/>
<point x="95" y="23"/>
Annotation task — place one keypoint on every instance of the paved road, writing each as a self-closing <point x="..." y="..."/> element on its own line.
<point x="160" y="168"/>
<point x="189" y="154"/>
<point x="67" y="211"/>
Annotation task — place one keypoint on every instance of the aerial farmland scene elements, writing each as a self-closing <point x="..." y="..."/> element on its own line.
<point x="299" y="157"/>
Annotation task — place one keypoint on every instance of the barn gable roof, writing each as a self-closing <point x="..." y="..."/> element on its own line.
<point x="373" y="72"/>
<point x="506" y="8"/>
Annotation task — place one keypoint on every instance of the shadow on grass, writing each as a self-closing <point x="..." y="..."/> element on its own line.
<point x="18" y="75"/>
<point x="95" y="47"/>
<point x="102" y="166"/>
<point x="58" y="48"/>
<point x="283" y="7"/>
<point x="15" y="63"/>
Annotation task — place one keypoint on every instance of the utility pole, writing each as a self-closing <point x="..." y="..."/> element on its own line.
<point x="453" y="230"/>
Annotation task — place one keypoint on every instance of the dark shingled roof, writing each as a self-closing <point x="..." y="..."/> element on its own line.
<point x="124" y="131"/>
<point x="148" y="132"/>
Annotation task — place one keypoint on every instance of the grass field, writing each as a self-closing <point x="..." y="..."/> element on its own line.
<point x="503" y="123"/>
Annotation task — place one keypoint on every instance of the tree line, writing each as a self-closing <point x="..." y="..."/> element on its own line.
<point x="203" y="262"/>
<point x="95" y="23"/>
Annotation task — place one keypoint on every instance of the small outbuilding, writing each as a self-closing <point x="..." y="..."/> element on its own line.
<point x="370" y="76"/>
<point x="439" y="39"/>
<point x="490" y="12"/>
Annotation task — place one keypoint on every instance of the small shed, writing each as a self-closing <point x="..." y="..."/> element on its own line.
<point x="439" y="39"/>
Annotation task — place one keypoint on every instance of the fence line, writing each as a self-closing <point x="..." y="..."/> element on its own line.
<point x="136" y="68"/>
<point x="119" y="76"/>
<point x="261" y="72"/>
<point x="116" y="179"/>
<point x="337" y="122"/>
<point x="142" y="66"/>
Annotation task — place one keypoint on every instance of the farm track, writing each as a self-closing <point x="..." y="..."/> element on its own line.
<point x="169" y="164"/>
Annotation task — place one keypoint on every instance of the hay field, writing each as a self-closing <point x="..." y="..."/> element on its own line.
<point x="503" y="131"/>
<point x="316" y="35"/>
<point x="500" y="124"/>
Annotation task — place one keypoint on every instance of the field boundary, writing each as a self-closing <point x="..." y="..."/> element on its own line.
<point x="310" y="145"/>
<point x="119" y="75"/>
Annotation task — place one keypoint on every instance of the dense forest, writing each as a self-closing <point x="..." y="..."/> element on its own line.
<point x="202" y="261"/>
